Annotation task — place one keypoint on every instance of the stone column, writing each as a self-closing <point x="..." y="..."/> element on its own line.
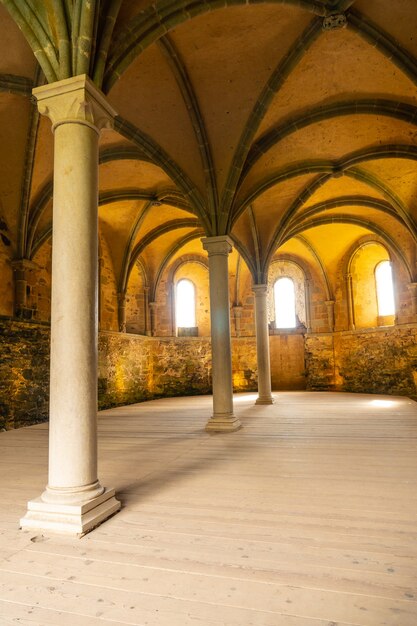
<point x="146" y="311"/>
<point x="330" y="314"/>
<point x="73" y="501"/>
<point x="121" y="311"/>
<point x="412" y="287"/>
<point x="262" y="345"/>
<point x="237" y="311"/>
<point x="349" y="297"/>
<point x="308" y="304"/>
<point x="223" y="419"/>
<point x="21" y="268"/>
<point x="152" y="309"/>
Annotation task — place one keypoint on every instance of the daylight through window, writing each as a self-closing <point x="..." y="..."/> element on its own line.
<point x="185" y="304"/>
<point x="384" y="288"/>
<point x="284" y="300"/>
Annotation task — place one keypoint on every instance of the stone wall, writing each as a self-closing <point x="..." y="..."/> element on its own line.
<point x="379" y="360"/>
<point x="133" y="368"/>
<point x="24" y="373"/>
<point x="124" y="369"/>
<point x="287" y="361"/>
<point x="244" y="364"/>
<point x="180" y="366"/>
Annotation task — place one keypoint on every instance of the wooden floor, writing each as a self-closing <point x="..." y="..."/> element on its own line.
<point x="305" y="517"/>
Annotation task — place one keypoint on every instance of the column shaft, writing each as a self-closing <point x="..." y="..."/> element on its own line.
<point x="330" y="313"/>
<point x="223" y="419"/>
<point x="146" y="311"/>
<point x="262" y="345"/>
<point x="350" y="306"/>
<point x="73" y="395"/>
<point x="74" y="501"/>
<point x="152" y="309"/>
<point x="121" y="312"/>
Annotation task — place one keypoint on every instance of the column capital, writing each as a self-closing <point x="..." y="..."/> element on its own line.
<point x="74" y="100"/>
<point x="217" y="245"/>
<point x="152" y="305"/>
<point x="412" y="287"/>
<point x="260" y="289"/>
<point x="329" y="302"/>
<point x="24" y="265"/>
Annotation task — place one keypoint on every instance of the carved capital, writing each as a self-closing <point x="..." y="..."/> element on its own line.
<point x="222" y="245"/>
<point x="260" y="290"/>
<point x="24" y="265"/>
<point x="74" y="100"/>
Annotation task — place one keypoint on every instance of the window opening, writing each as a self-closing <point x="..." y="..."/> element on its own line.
<point x="284" y="300"/>
<point x="384" y="288"/>
<point x="185" y="304"/>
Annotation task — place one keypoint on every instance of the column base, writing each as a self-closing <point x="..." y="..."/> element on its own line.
<point x="74" y="519"/>
<point x="223" y="423"/>
<point x="265" y="400"/>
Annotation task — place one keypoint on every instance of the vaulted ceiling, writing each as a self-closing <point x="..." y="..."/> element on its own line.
<point x="287" y="125"/>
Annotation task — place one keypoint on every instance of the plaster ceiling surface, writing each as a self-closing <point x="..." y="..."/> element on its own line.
<point x="150" y="98"/>
<point x="400" y="176"/>
<point x="217" y="106"/>
<point x="162" y="247"/>
<point x="297" y="248"/>
<point x="13" y="137"/>
<point x="158" y="216"/>
<point x="16" y="56"/>
<point x="230" y="55"/>
<point x="344" y="185"/>
<point x="128" y="173"/>
<point x="273" y="207"/>
<point x="400" y="23"/>
<point x="193" y="247"/>
<point x="350" y="69"/>
<point x="44" y="157"/>
<point x="343" y="236"/>
<point x="338" y="140"/>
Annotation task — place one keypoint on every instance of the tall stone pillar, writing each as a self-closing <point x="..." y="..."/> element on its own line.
<point x="349" y="297"/>
<point x="121" y="311"/>
<point x="412" y="287"/>
<point x="237" y="311"/>
<point x="147" y="326"/>
<point x="223" y="419"/>
<point x="308" y="304"/>
<point x="74" y="501"/>
<point x="21" y="268"/>
<point x="152" y="309"/>
<point x="262" y="345"/>
<point x="330" y="314"/>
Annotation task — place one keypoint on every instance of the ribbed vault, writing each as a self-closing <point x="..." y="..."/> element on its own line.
<point x="278" y="123"/>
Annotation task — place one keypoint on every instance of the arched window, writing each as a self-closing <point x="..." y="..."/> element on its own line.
<point x="384" y="288"/>
<point x="185" y="304"/>
<point x="284" y="300"/>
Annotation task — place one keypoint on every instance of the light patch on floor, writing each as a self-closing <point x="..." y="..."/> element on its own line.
<point x="304" y="517"/>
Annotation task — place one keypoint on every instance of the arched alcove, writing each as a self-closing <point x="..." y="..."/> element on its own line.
<point x="363" y="264"/>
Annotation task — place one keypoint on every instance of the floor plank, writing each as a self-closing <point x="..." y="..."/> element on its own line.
<point x="304" y="517"/>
